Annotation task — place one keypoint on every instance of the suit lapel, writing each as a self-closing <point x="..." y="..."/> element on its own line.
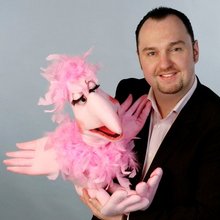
<point x="140" y="150"/>
<point x="182" y="128"/>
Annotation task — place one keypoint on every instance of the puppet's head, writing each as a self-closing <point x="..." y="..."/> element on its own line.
<point x="73" y="80"/>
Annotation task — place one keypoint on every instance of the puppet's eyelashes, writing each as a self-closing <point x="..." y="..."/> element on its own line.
<point x="80" y="100"/>
<point x="94" y="88"/>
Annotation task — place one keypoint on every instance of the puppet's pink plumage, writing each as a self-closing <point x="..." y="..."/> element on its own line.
<point x="88" y="166"/>
<point x="63" y="70"/>
<point x="85" y="165"/>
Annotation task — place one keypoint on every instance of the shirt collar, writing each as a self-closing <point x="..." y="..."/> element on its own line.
<point x="179" y="105"/>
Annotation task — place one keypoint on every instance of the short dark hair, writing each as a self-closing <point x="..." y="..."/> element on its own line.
<point x="161" y="13"/>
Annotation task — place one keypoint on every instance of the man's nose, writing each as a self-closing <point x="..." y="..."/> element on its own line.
<point x="165" y="61"/>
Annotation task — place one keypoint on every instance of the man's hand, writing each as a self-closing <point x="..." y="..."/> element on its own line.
<point x="33" y="159"/>
<point x="133" y="116"/>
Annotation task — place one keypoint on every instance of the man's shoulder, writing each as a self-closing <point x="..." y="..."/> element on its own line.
<point x="204" y="105"/>
<point x="134" y="86"/>
<point x="207" y="96"/>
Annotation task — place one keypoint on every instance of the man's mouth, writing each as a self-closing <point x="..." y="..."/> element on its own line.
<point x="168" y="75"/>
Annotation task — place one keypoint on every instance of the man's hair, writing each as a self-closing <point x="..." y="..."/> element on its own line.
<point x="161" y="13"/>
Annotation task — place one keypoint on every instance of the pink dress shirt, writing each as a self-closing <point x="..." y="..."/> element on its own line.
<point x="160" y="126"/>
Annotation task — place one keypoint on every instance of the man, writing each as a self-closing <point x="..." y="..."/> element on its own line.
<point x="182" y="134"/>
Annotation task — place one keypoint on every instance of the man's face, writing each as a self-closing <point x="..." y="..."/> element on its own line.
<point x="167" y="56"/>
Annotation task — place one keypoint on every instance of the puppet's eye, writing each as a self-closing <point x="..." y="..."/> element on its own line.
<point x="94" y="88"/>
<point x="80" y="100"/>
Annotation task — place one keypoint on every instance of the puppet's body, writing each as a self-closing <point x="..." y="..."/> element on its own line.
<point x="94" y="149"/>
<point x="88" y="166"/>
<point x="91" y="149"/>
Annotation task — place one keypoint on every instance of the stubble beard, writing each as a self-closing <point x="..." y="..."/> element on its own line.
<point x="170" y="89"/>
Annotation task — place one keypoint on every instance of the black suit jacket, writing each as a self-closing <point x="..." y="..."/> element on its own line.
<point x="189" y="156"/>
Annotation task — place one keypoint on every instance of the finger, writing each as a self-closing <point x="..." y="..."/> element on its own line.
<point x="89" y="201"/>
<point x="21" y="154"/>
<point x="136" y="104"/>
<point x="142" y="189"/>
<point x="155" y="177"/>
<point x="21" y="170"/>
<point x="112" y="206"/>
<point x="148" y="189"/>
<point x="18" y="162"/>
<point x="26" y="145"/>
<point x="26" y="170"/>
<point x="118" y="197"/>
<point x="125" y="105"/>
<point x="102" y="196"/>
<point x="92" y="204"/>
<point x="141" y="205"/>
<point x="95" y="204"/>
<point x="85" y="195"/>
<point x="143" y="109"/>
<point x="32" y="145"/>
<point x="122" y="206"/>
<point x="129" y="201"/>
<point x="140" y="106"/>
<point x="114" y="187"/>
<point x="158" y="172"/>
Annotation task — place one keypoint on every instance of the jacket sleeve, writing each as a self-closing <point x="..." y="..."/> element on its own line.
<point x="133" y="86"/>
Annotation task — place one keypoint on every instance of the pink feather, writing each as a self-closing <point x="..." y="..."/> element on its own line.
<point x="84" y="165"/>
<point x="63" y="70"/>
<point x="91" y="167"/>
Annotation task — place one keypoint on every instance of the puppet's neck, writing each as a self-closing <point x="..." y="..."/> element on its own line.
<point x="94" y="141"/>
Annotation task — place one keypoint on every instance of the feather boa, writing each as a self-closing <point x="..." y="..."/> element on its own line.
<point x="92" y="167"/>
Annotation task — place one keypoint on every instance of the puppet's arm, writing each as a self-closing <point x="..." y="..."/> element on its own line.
<point x="138" y="199"/>
<point x="133" y="116"/>
<point x="33" y="159"/>
<point x="124" y="202"/>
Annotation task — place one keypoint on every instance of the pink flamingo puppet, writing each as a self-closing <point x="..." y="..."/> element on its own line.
<point x="94" y="150"/>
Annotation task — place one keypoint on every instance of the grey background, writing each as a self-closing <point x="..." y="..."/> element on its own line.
<point x="32" y="29"/>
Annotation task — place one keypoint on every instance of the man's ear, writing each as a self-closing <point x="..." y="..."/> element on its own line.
<point x="195" y="51"/>
<point x="139" y="58"/>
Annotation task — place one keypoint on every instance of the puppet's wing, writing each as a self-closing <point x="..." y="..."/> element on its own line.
<point x="32" y="158"/>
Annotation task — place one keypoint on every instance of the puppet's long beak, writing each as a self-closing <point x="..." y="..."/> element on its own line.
<point x="103" y="111"/>
<point x="98" y="118"/>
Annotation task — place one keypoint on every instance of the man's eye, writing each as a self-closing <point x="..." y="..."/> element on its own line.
<point x="94" y="88"/>
<point x="176" y="49"/>
<point x="151" y="53"/>
<point x="80" y="100"/>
